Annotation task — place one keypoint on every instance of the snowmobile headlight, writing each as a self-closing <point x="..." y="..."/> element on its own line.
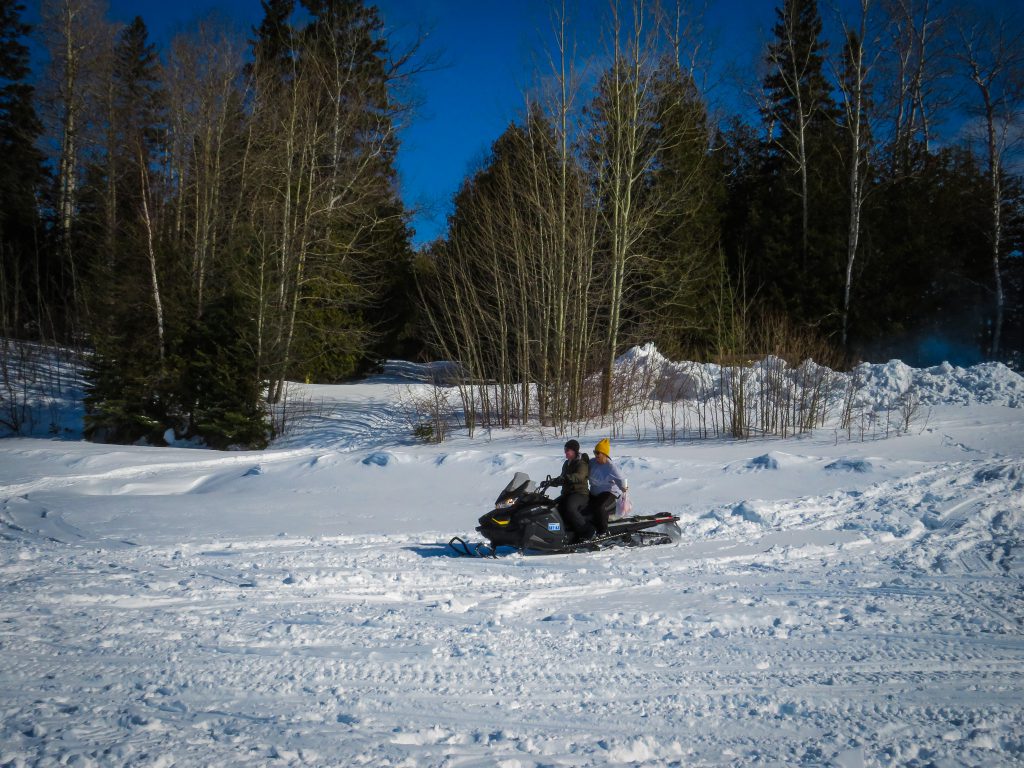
<point x="507" y="503"/>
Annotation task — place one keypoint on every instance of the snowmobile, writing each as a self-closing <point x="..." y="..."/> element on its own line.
<point x="526" y="518"/>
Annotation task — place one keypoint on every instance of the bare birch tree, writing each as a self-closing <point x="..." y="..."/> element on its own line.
<point x="624" y="154"/>
<point x="204" y="121"/>
<point x="861" y="53"/>
<point x="917" y="75"/>
<point x="79" y="42"/>
<point x="320" y="175"/>
<point x="991" y="53"/>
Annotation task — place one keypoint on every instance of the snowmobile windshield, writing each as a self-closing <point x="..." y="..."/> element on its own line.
<point x="520" y="484"/>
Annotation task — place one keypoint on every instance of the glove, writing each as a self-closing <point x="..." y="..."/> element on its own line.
<point x="557" y="481"/>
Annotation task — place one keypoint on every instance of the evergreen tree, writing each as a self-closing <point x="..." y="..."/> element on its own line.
<point x="131" y="387"/>
<point x="743" y="158"/>
<point x="273" y="45"/>
<point x="369" y="227"/>
<point x="30" y="281"/>
<point x="803" y="194"/>
<point x="219" y="389"/>
<point x="133" y="115"/>
<point x="1013" y="267"/>
<point x="685" y="233"/>
<point x="137" y="117"/>
<point x="924" y="267"/>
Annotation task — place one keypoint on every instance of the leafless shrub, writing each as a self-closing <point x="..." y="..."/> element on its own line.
<point x="428" y="411"/>
<point x="296" y="407"/>
<point x="632" y="385"/>
<point x="908" y="405"/>
<point x="850" y="402"/>
<point x="774" y="378"/>
<point x="673" y="393"/>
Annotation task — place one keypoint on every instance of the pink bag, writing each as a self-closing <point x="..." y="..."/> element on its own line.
<point x="624" y="506"/>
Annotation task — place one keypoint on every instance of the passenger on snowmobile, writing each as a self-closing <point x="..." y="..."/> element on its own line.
<point x="606" y="485"/>
<point x="575" y="490"/>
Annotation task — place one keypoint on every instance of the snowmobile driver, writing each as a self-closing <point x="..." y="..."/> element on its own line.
<point x="575" y="490"/>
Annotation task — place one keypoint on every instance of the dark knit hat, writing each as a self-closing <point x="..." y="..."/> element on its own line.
<point x="573" y="445"/>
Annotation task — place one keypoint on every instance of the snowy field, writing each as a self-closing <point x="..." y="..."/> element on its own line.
<point x="832" y="602"/>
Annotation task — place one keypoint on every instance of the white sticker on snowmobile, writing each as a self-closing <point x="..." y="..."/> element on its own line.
<point x="554" y="526"/>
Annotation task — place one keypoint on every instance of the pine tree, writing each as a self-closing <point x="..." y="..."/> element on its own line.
<point x="1013" y="234"/>
<point x="367" y="228"/>
<point x="137" y="116"/>
<point x="133" y="114"/>
<point x="743" y="158"/>
<point x="219" y="389"/>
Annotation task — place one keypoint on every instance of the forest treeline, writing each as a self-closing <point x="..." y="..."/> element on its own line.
<point x="212" y="220"/>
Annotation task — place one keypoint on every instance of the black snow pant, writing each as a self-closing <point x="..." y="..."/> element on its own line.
<point x="571" y="506"/>
<point x="600" y="509"/>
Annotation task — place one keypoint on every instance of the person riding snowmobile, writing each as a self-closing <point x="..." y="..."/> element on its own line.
<point x="575" y="490"/>
<point x="606" y="485"/>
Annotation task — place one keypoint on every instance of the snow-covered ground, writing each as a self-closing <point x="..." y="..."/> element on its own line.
<point x="832" y="602"/>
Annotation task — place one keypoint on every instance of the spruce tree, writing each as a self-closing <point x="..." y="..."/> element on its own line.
<point x="1013" y="267"/>
<point x="131" y="387"/>
<point x="923" y="264"/>
<point x="137" y="115"/>
<point x="804" y="189"/>
<point x="219" y="389"/>
<point x="30" y="281"/>
<point x="685" y="233"/>
<point x="273" y="45"/>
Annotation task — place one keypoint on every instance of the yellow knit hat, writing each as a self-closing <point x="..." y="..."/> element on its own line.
<point x="604" y="447"/>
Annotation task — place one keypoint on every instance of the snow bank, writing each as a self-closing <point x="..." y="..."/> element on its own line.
<point x="881" y="384"/>
<point x="945" y="384"/>
<point x="47" y="388"/>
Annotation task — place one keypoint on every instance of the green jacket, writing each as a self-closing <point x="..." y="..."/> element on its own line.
<point x="576" y="474"/>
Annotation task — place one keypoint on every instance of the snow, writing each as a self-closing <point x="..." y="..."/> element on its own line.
<point x="833" y="601"/>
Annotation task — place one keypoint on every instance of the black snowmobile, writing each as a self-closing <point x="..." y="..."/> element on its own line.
<point x="526" y="518"/>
